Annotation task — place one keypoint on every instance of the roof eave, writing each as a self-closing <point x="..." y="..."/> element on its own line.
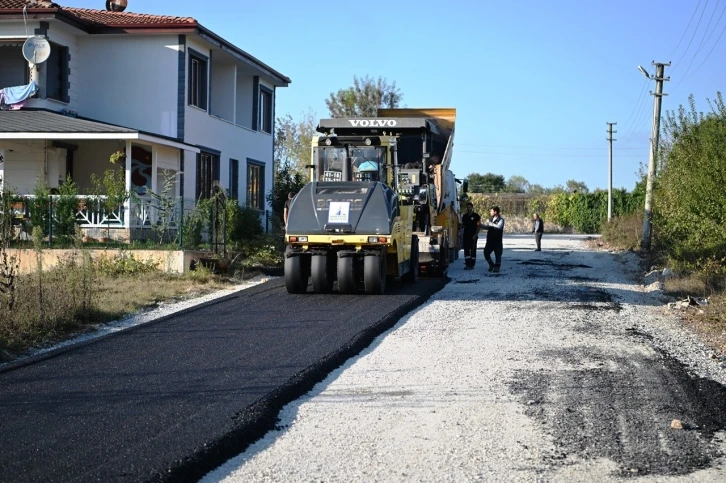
<point x="280" y="79"/>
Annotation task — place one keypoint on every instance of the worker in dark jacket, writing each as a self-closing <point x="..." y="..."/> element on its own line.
<point x="471" y="222"/>
<point x="495" y="243"/>
<point x="537" y="229"/>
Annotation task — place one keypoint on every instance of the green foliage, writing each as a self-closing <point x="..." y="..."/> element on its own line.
<point x="194" y="224"/>
<point x="287" y="180"/>
<point x="364" y="98"/>
<point x="66" y="207"/>
<point x="576" y="186"/>
<point x="263" y="251"/>
<point x="587" y="212"/>
<point x="243" y="224"/>
<point x="293" y="140"/>
<point x="624" y="232"/>
<point x="40" y="207"/>
<point x="9" y="264"/>
<point x="125" y="264"/>
<point x="113" y="186"/>
<point x="166" y="205"/>
<point x="690" y="199"/>
<point x="517" y="184"/>
<point x="486" y="183"/>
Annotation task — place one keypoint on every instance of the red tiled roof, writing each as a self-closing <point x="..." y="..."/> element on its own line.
<point x="29" y="3"/>
<point x="122" y="19"/>
<point x="103" y="18"/>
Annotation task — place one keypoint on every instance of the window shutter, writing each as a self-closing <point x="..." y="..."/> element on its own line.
<point x="199" y="176"/>
<point x="255" y="102"/>
<point x="65" y="59"/>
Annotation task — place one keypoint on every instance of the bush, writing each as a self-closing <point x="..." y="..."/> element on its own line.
<point x="125" y="264"/>
<point x="243" y="224"/>
<point x="40" y="207"/>
<point x="66" y="207"/>
<point x="689" y="199"/>
<point x="587" y="212"/>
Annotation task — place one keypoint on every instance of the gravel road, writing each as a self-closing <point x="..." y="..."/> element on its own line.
<point x="560" y="368"/>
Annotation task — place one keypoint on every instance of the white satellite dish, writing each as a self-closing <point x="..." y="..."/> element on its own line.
<point x="36" y="50"/>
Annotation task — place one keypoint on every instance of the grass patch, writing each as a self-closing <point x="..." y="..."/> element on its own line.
<point x="623" y="232"/>
<point x="75" y="296"/>
<point x="685" y="285"/>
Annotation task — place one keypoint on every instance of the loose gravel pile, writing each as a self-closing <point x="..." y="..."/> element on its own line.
<point x="560" y="368"/>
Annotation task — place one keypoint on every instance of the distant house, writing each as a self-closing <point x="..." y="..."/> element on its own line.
<point x="170" y="94"/>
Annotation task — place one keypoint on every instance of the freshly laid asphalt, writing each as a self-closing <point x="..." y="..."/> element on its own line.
<point x="175" y="398"/>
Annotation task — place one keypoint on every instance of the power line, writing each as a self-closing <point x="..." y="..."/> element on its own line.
<point x="687" y="27"/>
<point x="531" y="147"/>
<point x="698" y="49"/>
<point x="710" y="52"/>
<point x="638" y="122"/>
<point x="547" y="155"/>
<point x="675" y="65"/>
<point x="640" y="98"/>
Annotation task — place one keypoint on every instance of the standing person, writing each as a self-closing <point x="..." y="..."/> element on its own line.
<point x="495" y="232"/>
<point x="286" y="210"/>
<point x="538" y="229"/>
<point x="471" y="221"/>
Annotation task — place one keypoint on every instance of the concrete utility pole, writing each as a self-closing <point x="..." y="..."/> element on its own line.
<point x="654" y="140"/>
<point x="610" y="169"/>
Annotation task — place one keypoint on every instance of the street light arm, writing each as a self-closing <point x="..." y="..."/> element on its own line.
<point x="643" y="71"/>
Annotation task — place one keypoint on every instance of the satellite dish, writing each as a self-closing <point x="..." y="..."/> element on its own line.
<point x="116" y="5"/>
<point x="36" y="49"/>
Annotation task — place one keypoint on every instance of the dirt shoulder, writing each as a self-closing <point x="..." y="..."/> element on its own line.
<point x="707" y="322"/>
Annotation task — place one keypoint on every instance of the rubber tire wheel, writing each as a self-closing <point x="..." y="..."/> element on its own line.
<point x="320" y="274"/>
<point x="346" y="275"/>
<point x="374" y="274"/>
<point x="412" y="275"/>
<point x="296" y="280"/>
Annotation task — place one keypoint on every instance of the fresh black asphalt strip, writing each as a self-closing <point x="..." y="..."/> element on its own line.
<point x="173" y="399"/>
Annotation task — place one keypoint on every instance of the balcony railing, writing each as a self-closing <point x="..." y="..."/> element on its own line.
<point x="91" y="212"/>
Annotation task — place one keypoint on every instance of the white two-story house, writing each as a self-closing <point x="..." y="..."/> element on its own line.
<point x="173" y="96"/>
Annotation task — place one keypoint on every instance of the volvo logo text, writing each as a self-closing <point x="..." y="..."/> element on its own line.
<point x="372" y="122"/>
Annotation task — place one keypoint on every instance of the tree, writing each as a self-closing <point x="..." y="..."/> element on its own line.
<point x="577" y="187"/>
<point x="537" y="189"/>
<point x="287" y="180"/>
<point x="486" y="183"/>
<point x="364" y="98"/>
<point x="517" y="184"/>
<point x="293" y="141"/>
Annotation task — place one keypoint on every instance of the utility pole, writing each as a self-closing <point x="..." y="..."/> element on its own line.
<point x="610" y="169"/>
<point x="654" y="141"/>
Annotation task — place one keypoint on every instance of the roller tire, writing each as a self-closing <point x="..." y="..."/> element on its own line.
<point x="413" y="273"/>
<point x="346" y="275"/>
<point x="320" y="272"/>
<point x="296" y="280"/>
<point x="374" y="274"/>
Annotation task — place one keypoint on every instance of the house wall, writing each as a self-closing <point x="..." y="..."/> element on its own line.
<point x="65" y="36"/>
<point x="25" y="164"/>
<point x="223" y="89"/>
<point x="233" y="141"/>
<point x="244" y="101"/>
<point x="131" y="81"/>
<point x="167" y="159"/>
<point x="92" y="158"/>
